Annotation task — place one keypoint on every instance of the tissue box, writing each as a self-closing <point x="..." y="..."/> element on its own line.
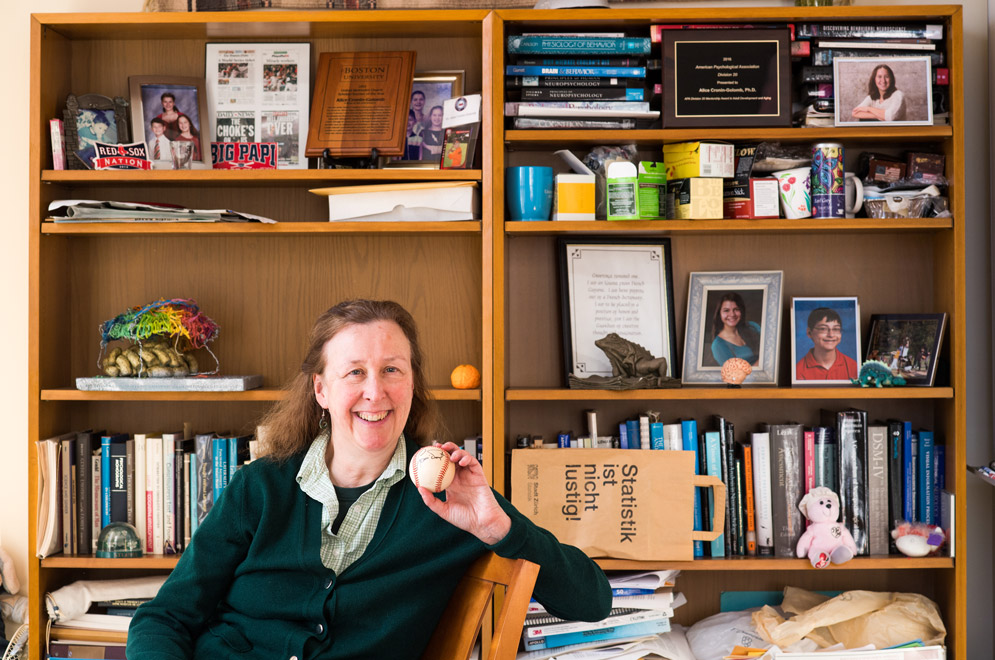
<point x="698" y="159"/>
<point x="694" y="198"/>
<point x="573" y="197"/>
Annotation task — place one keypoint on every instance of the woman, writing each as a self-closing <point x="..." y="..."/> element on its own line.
<point x="324" y="548"/>
<point x="734" y="336"/>
<point x="418" y="106"/>
<point x="186" y="134"/>
<point x="170" y="115"/>
<point x="432" y="135"/>
<point x="883" y="101"/>
<point x="412" y="144"/>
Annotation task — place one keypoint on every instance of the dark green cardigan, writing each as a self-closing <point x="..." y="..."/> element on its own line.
<point x="252" y="582"/>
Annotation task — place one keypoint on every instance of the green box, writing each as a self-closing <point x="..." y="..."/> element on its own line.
<point x="652" y="185"/>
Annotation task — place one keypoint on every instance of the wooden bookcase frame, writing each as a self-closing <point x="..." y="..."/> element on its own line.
<point x="265" y="283"/>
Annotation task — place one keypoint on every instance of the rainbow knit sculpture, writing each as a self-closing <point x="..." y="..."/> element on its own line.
<point x="160" y="333"/>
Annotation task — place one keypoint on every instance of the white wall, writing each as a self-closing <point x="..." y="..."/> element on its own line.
<point x="14" y="49"/>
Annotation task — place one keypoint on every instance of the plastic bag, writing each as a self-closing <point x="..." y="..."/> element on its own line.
<point x="901" y="204"/>
<point x="854" y="619"/>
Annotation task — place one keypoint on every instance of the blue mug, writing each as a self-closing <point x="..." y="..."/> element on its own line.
<point x="529" y="192"/>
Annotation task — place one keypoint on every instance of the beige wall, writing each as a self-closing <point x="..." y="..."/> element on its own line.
<point x="14" y="50"/>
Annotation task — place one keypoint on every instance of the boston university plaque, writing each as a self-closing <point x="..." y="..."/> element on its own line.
<point x="732" y="78"/>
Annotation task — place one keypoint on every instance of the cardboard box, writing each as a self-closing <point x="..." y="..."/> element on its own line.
<point x="694" y="198"/>
<point x="759" y="200"/>
<point x="573" y="197"/>
<point x="652" y="190"/>
<point x="607" y="502"/>
<point x="698" y="159"/>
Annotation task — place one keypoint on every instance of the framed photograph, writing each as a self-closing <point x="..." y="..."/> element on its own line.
<point x="892" y="90"/>
<point x="622" y="286"/>
<point x="733" y="314"/>
<point x="908" y="343"/>
<point x="165" y="109"/>
<point x="425" y="135"/>
<point x="92" y="118"/>
<point x="825" y="340"/>
<point x="259" y="92"/>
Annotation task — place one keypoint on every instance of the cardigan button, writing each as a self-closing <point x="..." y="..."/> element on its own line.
<point x="319" y="628"/>
<point x="293" y="657"/>
<point x="330" y="582"/>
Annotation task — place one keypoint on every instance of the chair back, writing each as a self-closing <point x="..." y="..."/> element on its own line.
<point x="461" y="621"/>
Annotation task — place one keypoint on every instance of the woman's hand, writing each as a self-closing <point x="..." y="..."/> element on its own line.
<point x="469" y="504"/>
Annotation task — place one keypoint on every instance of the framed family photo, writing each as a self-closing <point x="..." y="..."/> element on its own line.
<point x="892" y="90"/>
<point x="167" y="109"/>
<point x="825" y="340"/>
<point x="425" y="135"/>
<point x="92" y="118"/>
<point x="733" y="315"/>
<point x="908" y="343"/>
<point x="621" y="286"/>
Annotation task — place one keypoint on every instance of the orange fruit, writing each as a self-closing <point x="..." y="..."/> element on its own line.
<point x="465" y="377"/>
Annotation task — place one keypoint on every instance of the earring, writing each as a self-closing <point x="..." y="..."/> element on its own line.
<point x="323" y="423"/>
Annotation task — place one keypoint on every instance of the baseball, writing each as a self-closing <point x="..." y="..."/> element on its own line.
<point x="431" y="468"/>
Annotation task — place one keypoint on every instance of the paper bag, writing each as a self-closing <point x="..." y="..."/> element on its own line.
<point x="620" y="503"/>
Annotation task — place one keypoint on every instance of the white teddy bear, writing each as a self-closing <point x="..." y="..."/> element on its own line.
<point x="826" y="539"/>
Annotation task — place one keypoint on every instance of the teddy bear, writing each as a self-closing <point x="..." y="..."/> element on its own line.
<point x="826" y="540"/>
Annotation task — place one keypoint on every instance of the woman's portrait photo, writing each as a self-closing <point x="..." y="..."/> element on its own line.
<point x="429" y="89"/>
<point x="732" y="315"/>
<point x="896" y="90"/>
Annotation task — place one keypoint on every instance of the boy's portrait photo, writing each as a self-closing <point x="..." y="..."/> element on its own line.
<point x="825" y="340"/>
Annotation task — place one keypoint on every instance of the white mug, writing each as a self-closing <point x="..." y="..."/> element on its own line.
<point x="854" y="195"/>
<point x="795" y="190"/>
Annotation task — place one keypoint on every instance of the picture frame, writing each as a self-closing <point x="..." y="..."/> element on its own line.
<point x="259" y="92"/>
<point x="91" y="118"/>
<point x="858" y="96"/>
<point x="835" y="324"/>
<point x="149" y="100"/>
<point x="708" y="343"/>
<point x="434" y="87"/>
<point x="615" y="285"/>
<point x="908" y="343"/>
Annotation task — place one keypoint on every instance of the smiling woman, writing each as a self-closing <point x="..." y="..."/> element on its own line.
<point x="266" y="574"/>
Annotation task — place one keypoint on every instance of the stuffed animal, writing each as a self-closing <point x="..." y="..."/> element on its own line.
<point x="826" y="540"/>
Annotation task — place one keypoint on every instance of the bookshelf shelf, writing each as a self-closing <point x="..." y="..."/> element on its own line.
<point x="741" y="394"/>
<point x="779" y="226"/>
<point x="261" y="394"/>
<point x="258" y="229"/>
<point x="89" y="561"/>
<point x="242" y="177"/>
<point x="775" y="564"/>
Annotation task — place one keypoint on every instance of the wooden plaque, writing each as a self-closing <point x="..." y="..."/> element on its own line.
<point x="360" y="103"/>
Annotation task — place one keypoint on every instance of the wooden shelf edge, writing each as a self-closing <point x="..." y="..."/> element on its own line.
<point x="261" y="394"/>
<point x="263" y="177"/>
<point x="90" y="561"/>
<point x="775" y="564"/>
<point x="721" y="393"/>
<point x="726" y="226"/>
<point x="526" y="137"/>
<point x="257" y="228"/>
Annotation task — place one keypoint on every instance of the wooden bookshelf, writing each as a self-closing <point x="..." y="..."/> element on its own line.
<point x="483" y="292"/>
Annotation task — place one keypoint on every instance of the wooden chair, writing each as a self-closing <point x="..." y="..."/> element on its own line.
<point x="457" y="629"/>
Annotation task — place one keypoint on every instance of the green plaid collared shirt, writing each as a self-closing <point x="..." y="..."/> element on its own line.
<point x="340" y="550"/>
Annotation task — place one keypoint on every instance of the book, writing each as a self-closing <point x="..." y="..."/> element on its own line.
<point x="896" y="478"/>
<point x="713" y="467"/>
<point x="650" y="627"/>
<point x="925" y="478"/>
<point x="825" y="56"/>
<point x="129" y="478"/>
<point x="555" y="123"/>
<point x="141" y="467"/>
<point x="657" y="434"/>
<point x="851" y="435"/>
<point x="576" y="71"/>
<point x="870" y="31"/>
<point x="194" y="500"/>
<point x="58" y="136"/>
<point x="187" y="514"/>
<point x="749" y="510"/>
<point x="546" y="626"/>
<point x="582" y="94"/>
<point x="583" y="61"/>
<point x="824" y="443"/>
<point x="787" y="471"/>
<point x="910" y="467"/>
<point x="67" y="458"/>
<point x="656" y="31"/>
<point x="760" y="443"/>
<point x="48" y="534"/>
<point x="204" y="448"/>
<point x="79" y="651"/>
<point x="719" y="423"/>
<point x="878" y="531"/>
<point x="219" y="454"/>
<point x="238" y="453"/>
<point x="739" y="486"/>
<point x="95" y="491"/>
<point x="808" y="444"/>
<point x="644" y="432"/>
<point x="879" y="44"/>
<point x="568" y="45"/>
<point x="168" y="546"/>
<point x="86" y="441"/>
<point x="607" y="109"/>
<point x="939" y="478"/>
<point x="816" y="74"/>
<point x="689" y="442"/>
<point x="113" y="480"/>
<point x="153" y="495"/>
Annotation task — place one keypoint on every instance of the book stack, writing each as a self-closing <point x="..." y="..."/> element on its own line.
<point x="642" y="606"/>
<point x="163" y="484"/>
<point x="820" y="43"/>
<point x="581" y="80"/>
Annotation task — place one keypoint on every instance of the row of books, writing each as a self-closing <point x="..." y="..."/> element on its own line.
<point x="642" y="605"/>
<point x="163" y="484"/>
<point x="884" y="472"/>
<point x="580" y="80"/>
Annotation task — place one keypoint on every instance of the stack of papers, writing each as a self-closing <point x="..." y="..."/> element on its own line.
<point x="90" y="210"/>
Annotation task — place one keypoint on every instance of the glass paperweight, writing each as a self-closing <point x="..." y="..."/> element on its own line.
<point x="119" y="539"/>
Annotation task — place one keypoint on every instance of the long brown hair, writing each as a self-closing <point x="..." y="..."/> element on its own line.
<point x="292" y="424"/>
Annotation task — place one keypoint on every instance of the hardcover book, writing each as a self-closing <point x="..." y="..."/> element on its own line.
<point x="577" y="71"/>
<point x="878" y="531"/>
<point x="86" y="443"/>
<point x="896" y="478"/>
<point x="787" y="471"/>
<point x="851" y="434"/>
<point x="760" y="443"/>
<point x="724" y="429"/>
<point x="926" y="478"/>
<point x="583" y="45"/>
<point x="113" y="480"/>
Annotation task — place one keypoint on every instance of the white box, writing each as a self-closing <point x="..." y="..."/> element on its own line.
<point x="423" y="201"/>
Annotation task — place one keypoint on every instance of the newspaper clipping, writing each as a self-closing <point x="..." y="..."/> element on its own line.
<point x="259" y="93"/>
